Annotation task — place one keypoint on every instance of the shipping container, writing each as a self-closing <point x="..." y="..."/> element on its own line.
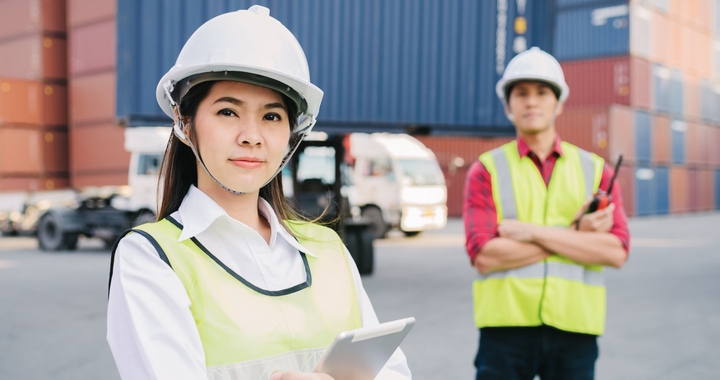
<point x="692" y="101"/>
<point x="605" y="131"/>
<point x="641" y="29"/>
<point x="83" y="12"/>
<point x="651" y="190"/>
<point x="33" y="152"/>
<point x="675" y="43"/>
<point x="591" y="32"/>
<point x="716" y="18"/>
<point x="693" y="143"/>
<point x="383" y="65"/>
<point x="707" y="190"/>
<point x="716" y="60"/>
<point x="95" y="148"/>
<point x="92" y="48"/>
<point x="92" y="99"/>
<point x="717" y="189"/>
<point x="643" y="137"/>
<point x="34" y="58"/>
<point x="32" y="103"/>
<point x="679" y="191"/>
<point x="658" y="5"/>
<point x="31" y="183"/>
<point x="660" y="38"/>
<point x="677" y="141"/>
<point x="675" y="95"/>
<point x="661" y="152"/>
<point x="25" y="17"/>
<point x="695" y="190"/>
<point x="707" y="101"/>
<point x="714" y="143"/>
<point x="661" y="77"/>
<point x="617" y="80"/>
<point x="626" y="181"/>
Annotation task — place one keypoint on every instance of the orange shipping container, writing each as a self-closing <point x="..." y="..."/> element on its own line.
<point x="33" y="152"/>
<point x="33" y="183"/>
<point x="97" y="148"/>
<point x="32" y="102"/>
<point x="605" y="131"/>
<point x="618" y="80"/>
<point x="23" y="17"/>
<point x="691" y="103"/>
<point x="675" y="44"/>
<point x="692" y="144"/>
<point x="34" y="58"/>
<point x="659" y="46"/>
<point x="661" y="152"/>
<point x="679" y="189"/>
<point x="83" y="12"/>
<point x="92" y="48"/>
<point x="92" y="99"/>
<point x="626" y="180"/>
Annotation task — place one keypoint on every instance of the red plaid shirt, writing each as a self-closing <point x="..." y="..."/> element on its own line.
<point x="479" y="212"/>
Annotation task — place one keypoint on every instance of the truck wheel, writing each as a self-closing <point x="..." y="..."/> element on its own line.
<point x="52" y="238"/>
<point x="411" y="233"/>
<point x="374" y="216"/>
<point x="359" y="243"/>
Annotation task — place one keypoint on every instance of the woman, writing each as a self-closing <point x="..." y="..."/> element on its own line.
<point x="224" y="286"/>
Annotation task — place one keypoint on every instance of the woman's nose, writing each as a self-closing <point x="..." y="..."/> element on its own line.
<point x="249" y="133"/>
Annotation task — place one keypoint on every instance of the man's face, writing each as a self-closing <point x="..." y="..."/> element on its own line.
<point x="532" y="105"/>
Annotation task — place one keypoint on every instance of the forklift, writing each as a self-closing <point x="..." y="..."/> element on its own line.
<point x="320" y="177"/>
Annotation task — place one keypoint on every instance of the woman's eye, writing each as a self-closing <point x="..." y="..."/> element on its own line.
<point x="227" y="112"/>
<point x="272" y="117"/>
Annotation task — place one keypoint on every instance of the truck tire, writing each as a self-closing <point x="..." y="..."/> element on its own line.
<point x="360" y="244"/>
<point x="411" y="233"/>
<point x="374" y="216"/>
<point x="51" y="236"/>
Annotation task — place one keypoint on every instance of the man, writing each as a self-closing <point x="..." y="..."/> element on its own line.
<point x="539" y="301"/>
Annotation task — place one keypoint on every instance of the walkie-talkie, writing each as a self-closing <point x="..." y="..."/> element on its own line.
<point x="602" y="199"/>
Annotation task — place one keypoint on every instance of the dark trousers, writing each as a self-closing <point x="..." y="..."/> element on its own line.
<point x="520" y="353"/>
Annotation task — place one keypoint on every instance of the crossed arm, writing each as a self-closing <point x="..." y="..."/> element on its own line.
<point x="521" y="244"/>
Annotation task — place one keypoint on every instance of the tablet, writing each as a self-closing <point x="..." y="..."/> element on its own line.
<point x="360" y="354"/>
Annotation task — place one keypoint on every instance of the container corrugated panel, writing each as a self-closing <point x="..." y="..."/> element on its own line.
<point x="34" y="183"/>
<point x="662" y="190"/>
<point x="605" y="131"/>
<point x="707" y="190"/>
<point x="592" y="32"/>
<point x="621" y="80"/>
<point x="32" y="103"/>
<point x="706" y="100"/>
<point x="82" y="12"/>
<point x="34" y="58"/>
<point x="676" y="96"/>
<point x="622" y="134"/>
<point x="95" y="151"/>
<point x="644" y="191"/>
<point x="92" y="48"/>
<point x="643" y="137"/>
<point x="20" y="152"/>
<point x="661" y="139"/>
<point x="641" y="29"/>
<point x="626" y="180"/>
<point x="716" y="18"/>
<point x="716" y="60"/>
<point x="679" y="191"/>
<point x="694" y="190"/>
<point x="675" y="43"/>
<point x="24" y="17"/>
<point x="704" y="144"/>
<point x="714" y="142"/>
<point x="90" y="100"/>
<point x="660" y="37"/>
<point x="414" y="62"/>
<point x="575" y="3"/>
<point x="692" y="144"/>
<point x="677" y="141"/>
<point x="659" y="5"/>
<point x="717" y="189"/>
<point x="661" y="88"/>
<point x="692" y="101"/>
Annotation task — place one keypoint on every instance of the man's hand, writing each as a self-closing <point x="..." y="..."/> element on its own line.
<point x="277" y="375"/>
<point x="598" y="221"/>
<point x="516" y="230"/>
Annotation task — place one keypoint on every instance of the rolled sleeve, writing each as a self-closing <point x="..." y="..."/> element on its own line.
<point x="620" y="226"/>
<point x="479" y="213"/>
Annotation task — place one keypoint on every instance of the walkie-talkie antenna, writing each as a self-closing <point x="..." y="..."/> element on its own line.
<point x="617" y="169"/>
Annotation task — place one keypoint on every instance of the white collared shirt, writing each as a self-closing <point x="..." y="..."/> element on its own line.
<point x="151" y="331"/>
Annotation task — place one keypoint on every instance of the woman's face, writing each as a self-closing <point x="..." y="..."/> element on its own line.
<point x="242" y="131"/>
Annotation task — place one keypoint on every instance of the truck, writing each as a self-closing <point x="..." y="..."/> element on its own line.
<point x="397" y="183"/>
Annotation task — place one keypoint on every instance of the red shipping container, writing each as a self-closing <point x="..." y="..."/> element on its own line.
<point x="626" y="180"/>
<point x="23" y="17"/>
<point x="34" y="58"/>
<point x="605" y="131"/>
<point x="97" y="149"/>
<point x="694" y="190"/>
<point x="82" y="12"/>
<point x="92" y="99"/>
<point x="92" y="48"/>
<point x="679" y="190"/>
<point x="705" y="146"/>
<point x="618" y="80"/>
<point x="55" y="151"/>
<point x="693" y="143"/>
<point x="32" y="102"/>
<point x="661" y="139"/>
<point x="33" y="152"/>
<point x="33" y="183"/>
<point x="707" y="189"/>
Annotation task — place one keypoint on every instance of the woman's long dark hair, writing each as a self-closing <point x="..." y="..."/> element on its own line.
<point x="179" y="169"/>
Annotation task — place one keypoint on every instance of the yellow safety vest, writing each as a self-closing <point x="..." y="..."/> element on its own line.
<point x="248" y="332"/>
<point x="557" y="291"/>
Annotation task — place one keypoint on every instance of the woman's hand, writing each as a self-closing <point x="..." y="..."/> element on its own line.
<point x="277" y="375"/>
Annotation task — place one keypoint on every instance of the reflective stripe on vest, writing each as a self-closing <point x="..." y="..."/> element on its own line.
<point x="246" y="332"/>
<point x="556" y="291"/>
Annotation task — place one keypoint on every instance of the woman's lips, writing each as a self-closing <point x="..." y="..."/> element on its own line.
<point x="247" y="162"/>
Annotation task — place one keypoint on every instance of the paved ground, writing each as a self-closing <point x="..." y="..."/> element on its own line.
<point x="663" y="322"/>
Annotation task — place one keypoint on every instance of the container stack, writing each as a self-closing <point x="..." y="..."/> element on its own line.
<point x="98" y="157"/>
<point x="643" y="84"/>
<point x="33" y="95"/>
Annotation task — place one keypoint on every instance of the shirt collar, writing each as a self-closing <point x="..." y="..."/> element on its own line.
<point x="524" y="149"/>
<point x="198" y="212"/>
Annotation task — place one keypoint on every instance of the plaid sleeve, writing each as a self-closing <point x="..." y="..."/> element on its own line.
<point x="479" y="214"/>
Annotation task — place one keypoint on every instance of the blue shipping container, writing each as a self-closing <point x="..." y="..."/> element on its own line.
<point x="643" y="136"/>
<point x="592" y="32"/>
<point x="677" y="141"/>
<point x="675" y="95"/>
<point x="383" y="65"/>
<point x="661" y="88"/>
<point x="651" y="190"/>
<point x="706" y="100"/>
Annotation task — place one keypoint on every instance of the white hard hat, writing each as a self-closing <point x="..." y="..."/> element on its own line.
<point x="247" y="46"/>
<point x="535" y="65"/>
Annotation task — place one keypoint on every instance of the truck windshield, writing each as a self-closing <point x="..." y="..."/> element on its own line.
<point x="421" y="173"/>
